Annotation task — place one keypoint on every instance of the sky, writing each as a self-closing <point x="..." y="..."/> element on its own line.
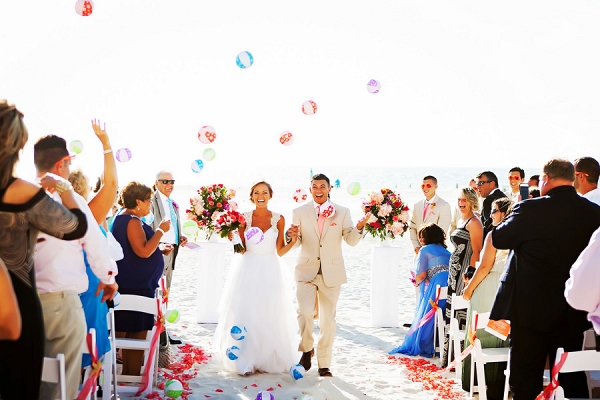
<point x="463" y="84"/>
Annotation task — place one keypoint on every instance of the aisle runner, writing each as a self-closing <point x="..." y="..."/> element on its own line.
<point x="421" y="370"/>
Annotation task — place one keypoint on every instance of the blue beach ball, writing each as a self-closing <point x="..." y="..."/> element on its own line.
<point x="233" y="353"/>
<point x="244" y="60"/>
<point x="297" y="371"/>
<point x="238" y="333"/>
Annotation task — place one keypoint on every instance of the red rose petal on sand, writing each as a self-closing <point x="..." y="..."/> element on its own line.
<point x="270" y="389"/>
<point x="254" y="385"/>
<point x="219" y="390"/>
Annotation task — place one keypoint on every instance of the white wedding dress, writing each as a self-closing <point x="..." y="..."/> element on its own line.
<point x="258" y="296"/>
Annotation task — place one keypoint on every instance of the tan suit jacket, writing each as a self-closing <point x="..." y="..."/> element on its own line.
<point x="324" y="251"/>
<point x="440" y="215"/>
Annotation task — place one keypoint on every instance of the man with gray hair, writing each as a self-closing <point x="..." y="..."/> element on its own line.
<point x="162" y="206"/>
<point x="547" y="235"/>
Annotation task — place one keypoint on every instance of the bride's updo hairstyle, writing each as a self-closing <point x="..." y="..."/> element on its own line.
<point x="260" y="183"/>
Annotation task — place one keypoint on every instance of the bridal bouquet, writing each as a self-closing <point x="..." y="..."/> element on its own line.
<point x="389" y="214"/>
<point x="214" y="211"/>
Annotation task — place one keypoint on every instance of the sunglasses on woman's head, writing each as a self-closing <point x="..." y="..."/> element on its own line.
<point x="167" y="181"/>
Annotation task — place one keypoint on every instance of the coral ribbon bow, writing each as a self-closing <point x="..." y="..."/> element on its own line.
<point x="90" y="383"/>
<point x="429" y="315"/>
<point x="160" y="327"/>
<point x="546" y="394"/>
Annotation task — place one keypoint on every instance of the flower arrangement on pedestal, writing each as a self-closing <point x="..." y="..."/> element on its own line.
<point x="389" y="214"/>
<point x="214" y="210"/>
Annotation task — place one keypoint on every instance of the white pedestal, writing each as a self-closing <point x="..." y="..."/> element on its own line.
<point x="211" y="270"/>
<point x="385" y="262"/>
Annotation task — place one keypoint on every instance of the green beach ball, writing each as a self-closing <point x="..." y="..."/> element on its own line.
<point x="172" y="316"/>
<point x="354" y="188"/>
<point x="189" y="228"/>
<point x="209" y="154"/>
<point x="173" y="389"/>
<point x="76" y="146"/>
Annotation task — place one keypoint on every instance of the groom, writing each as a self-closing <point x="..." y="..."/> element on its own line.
<point x="318" y="227"/>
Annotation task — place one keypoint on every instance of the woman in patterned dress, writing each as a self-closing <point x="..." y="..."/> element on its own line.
<point x="467" y="240"/>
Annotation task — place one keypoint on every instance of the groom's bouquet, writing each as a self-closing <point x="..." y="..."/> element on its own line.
<point x="389" y="214"/>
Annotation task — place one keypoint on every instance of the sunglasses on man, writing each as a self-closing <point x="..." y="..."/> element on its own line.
<point x="514" y="178"/>
<point x="426" y="185"/>
<point x="167" y="181"/>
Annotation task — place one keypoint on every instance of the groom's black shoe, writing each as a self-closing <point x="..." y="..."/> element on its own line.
<point x="305" y="359"/>
<point x="325" y="372"/>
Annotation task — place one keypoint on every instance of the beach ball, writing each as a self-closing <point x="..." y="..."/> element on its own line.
<point x="373" y="86"/>
<point x="286" y="138"/>
<point x="173" y="389"/>
<point x="123" y="155"/>
<point x="309" y="107"/>
<point x="207" y="134"/>
<point x="353" y="188"/>
<point x="76" y="146"/>
<point x="297" y="371"/>
<point x="300" y="195"/>
<point x="238" y="332"/>
<point x="148" y="219"/>
<point x="197" y="166"/>
<point x="209" y="154"/>
<point x="306" y="397"/>
<point x="244" y="60"/>
<point x="189" y="228"/>
<point x="264" y="395"/>
<point x="254" y="235"/>
<point x="233" y="353"/>
<point x="84" y="7"/>
<point x="172" y="316"/>
<point x="117" y="299"/>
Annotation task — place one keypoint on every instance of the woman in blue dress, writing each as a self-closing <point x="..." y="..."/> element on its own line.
<point x="431" y="270"/>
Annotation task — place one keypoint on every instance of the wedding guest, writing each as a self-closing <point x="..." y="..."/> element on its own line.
<point x="432" y="209"/>
<point x="26" y="209"/>
<point x="547" y="234"/>
<point x="534" y="192"/>
<point x="60" y="273"/>
<point x="141" y="267"/>
<point x="94" y="308"/>
<point x="320" y="226"/>
<point x="587" y="171"/>
<point x="268" y="315"/>
<point x="431" y="270"/>
<point x="467" y="241"/>
<point x="10" y="316"/>
<point x="487" y="187"/>
<point x="162" y="207"/>
<point x="581" y="289"/>
<point x="534" y="180"/>
<point x="516" y="176"/>
<point x="481" y="291"/>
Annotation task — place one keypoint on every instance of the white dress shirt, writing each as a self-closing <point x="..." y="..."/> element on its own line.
<point x="593" y="196"/>
<point x="582" y="288"/>
<point x="168" y="236"/>
<point x="59" y="264"/>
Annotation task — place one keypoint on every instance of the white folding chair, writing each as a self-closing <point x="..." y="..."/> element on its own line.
<point x="455" y="333"/>
<point x="585" y="360"/>
<point x="481" y="356"/>
<point x="146" y="305"/>
<point x="53" y="371"/>
<point x="109" y="373"/>
<point x="438" y="318"/>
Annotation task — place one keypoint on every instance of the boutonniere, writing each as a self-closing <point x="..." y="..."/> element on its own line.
<point x="175" y="205"/>
<point x="329" y="211"/>
<point x="431" y="206"/>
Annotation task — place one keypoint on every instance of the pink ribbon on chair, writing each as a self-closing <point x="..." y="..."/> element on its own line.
<point x="90" y="383"/>
<point x="468" y="350"/>
<point x="165" y="292"/>
<point x="160" y="327"/>
<point x="549" y="390"/>
<point x="429" y="315"/>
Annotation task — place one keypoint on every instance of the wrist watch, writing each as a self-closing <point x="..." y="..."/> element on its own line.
<point x="62" y="186"/>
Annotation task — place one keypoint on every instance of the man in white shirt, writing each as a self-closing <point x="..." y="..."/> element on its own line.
<point x="587" y="171"/>
<point x="432" y="209"/>
<point x="162" y="207"/>
<point x="516" y="176"/>
<point x="60" y="273"/>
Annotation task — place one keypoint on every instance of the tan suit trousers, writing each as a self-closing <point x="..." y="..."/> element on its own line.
<point x="65" y="326"/>
<point x="308" y="293"/>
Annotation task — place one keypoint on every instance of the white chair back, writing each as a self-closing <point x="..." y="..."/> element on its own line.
<point x="53" y="371"/>
<point x="585" y="360"/>
<point x="438" y="331"/>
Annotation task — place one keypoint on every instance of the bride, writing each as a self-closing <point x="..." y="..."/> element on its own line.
<point x="257" y="297"/>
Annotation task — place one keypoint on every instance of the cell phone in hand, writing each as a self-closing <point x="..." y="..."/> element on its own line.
<point x="524" y="191"/>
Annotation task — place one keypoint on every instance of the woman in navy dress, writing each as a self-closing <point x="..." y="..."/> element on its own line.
<point x="141" y="267"/>
<point x="431" y="270"/>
